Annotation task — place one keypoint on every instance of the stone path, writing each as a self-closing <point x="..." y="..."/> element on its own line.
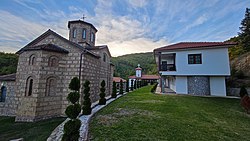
<point x="57" y="134"/>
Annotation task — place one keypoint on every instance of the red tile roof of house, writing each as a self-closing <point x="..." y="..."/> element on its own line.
<point x="118" y="79"/>
<point x="194" y="45"/>
<point x="137" y="68"/>
<point x="145" y="77"/>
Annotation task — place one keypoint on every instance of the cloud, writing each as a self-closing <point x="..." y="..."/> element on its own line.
<point x="138" y="3"/>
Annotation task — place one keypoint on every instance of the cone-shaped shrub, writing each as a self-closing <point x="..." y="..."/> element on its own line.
<point x="243" y="91"/>
<point x="114" y="90"/>
<point x="71" y="127"/>
<point x="132" y="85"/>
<point x="135" y="85"/>
<point x="121" y="87"/>
<point x="102" y="100"/>
<point x="127" y="86"/>
<point x="86" y="105"/>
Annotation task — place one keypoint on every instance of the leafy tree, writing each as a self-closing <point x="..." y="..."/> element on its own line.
<point x="8" y="63"/>
<point x="121" y="87"/>
<point x="102" y="100"/>
<point x="244" y="34"/>
<point x="127" y="86"/>
<point x="132" y="85"/>
<point x="71" y="127"/>
<point x="86" y="106"/>
<point x="114" y="90"/>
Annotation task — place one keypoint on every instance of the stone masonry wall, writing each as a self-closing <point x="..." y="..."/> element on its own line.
<point x="198" y="85"/>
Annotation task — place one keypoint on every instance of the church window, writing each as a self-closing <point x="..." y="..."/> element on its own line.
<point x="104" y="57"/>
<point x="53" y="61"/>
<point x="84" y="33"/>
<point x="74" y="33"/>
<point x="29" y="86"/>
<point x="3" y="94"/>
<point x="32" y="60"/>
<point x="50" y="86"/>
<point x="92" y="38"/>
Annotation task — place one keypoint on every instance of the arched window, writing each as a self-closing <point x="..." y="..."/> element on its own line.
<point x="53" y="61"/>
<point x="84" y="33"/>
<point x="29" y="86"/>
<point x="104" y="57"/>
<point x="92" y="37"/>
<point x="51" y="86"/>
<point x="32" y="60"/>
<point x="3" y="94"/>
<point x="74" y="33"/>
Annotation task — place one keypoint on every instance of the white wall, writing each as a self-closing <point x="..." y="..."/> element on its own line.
<point x="181" y="85"/>
<point x="129" y="82"/>
<point x="172" y="84"/>
<point x="138" y="73"/>
<point x="214" y="62"/>
<point x="217" y="86"/>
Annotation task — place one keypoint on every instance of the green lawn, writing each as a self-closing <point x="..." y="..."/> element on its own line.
<point x="37" y="131"/>
<point x="141" y="115"/>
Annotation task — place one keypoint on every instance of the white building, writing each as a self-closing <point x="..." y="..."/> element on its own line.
<point x="197" y="68"/>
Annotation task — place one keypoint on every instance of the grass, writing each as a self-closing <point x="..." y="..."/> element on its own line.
<point x="141" y="115"/>
<point x="37" y="131"/>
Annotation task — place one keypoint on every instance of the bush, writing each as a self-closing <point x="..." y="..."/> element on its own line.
<point x="154" y="88"/>
<point x="74" y="84"/>
<point x="102" y="100"/>
<point x="73" y="97"/>
<point x="86" y="108"/>
<point x="121" y="87"/>
<point x="243" y="91"/>
<point x="127" y="86"/>
<point x="114" y="90"/>
<point x="240" y="74"/>
<point x="135" y="84"/>
<point x="72" y="111"/>
<point x="132" y="85"/>
<point x="71" y="129"/>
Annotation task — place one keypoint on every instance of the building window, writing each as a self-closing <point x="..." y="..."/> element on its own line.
<point x="50" y="87"/>
<point x="92" y="38"/>
<point x="53" y="61"/>
<point x="29" y="86"/>
<point x="32" y="60"/>
<point x="194" y="59"/>
<point x="84" y="33"/>
<point x="74" y="33"/>
<point x="3" y="94"/>
<point x="104" y="57"/>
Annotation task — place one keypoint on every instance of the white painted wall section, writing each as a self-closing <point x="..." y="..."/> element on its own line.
<point x="217" y="86"/>
<point x="172" y="84"/>
<point x="181" y="85"/>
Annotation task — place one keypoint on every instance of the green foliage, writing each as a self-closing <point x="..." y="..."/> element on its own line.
<point x="74" y="84"/>
<point x="125" y="65"/>
<point x="127" y="86"/>
<point x="243" y="91"/>
<point x="73" y="97"/>
<point x="102" y="100"/>
<point x="114" y="90"/>
<point x="8" y="63"/>
<point x="71" y="129"/>
<point x="121" y="87"/>
<point x="72" y="111"/>
<point x="86" y="108"/>
<point x="132" y="85"/>
<point x="154" y="88"/>
<point x="244" y="34"/>
<point x="135" y="84"/>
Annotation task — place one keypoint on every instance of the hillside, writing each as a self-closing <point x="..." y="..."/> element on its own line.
<point x="125" y="65"/>
<point x="8" y="63"/>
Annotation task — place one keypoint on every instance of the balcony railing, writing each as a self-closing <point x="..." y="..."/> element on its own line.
<point x="167" y="67"/>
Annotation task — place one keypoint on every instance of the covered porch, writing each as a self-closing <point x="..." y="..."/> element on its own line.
<point x="167" y="84"/>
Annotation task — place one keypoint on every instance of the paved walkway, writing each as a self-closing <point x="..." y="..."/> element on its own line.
<point x="167" y="90"/>
<point x="57" y="134"/>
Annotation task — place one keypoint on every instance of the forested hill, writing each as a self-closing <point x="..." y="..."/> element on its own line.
<point x="8" y="63"/>
<point x="125" y="65"/>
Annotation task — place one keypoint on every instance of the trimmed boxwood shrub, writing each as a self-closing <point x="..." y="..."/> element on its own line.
<point x="73" y="97"/>
<point x="154" y="88"/>
<point x="71" y="129"/>
<point x="72" y="111"/>
<point x="121" y="87"/>
<point x="127" y="86"/>
<point x="132" y="85"/>
<point x="102" y="100"/>
<point x="114" y="90"/>
<point x="86" y="108"/>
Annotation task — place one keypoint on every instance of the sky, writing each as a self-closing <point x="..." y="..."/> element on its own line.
<point x="126" y="26"/>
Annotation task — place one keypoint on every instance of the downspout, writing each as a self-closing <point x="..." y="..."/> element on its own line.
<point x="80" y="70"/>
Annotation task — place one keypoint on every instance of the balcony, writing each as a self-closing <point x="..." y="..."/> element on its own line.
<point x="167" y="67"/>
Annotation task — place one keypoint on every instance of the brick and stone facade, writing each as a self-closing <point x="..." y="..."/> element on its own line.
<point x="46" y="66"/>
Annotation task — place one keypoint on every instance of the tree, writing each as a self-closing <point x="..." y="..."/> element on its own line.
<point x="71" y="127"/>
<point x="245" y="31"/>
<point x="86" y="105"/>
<point x="114" y="90"/>
<point x="127" y="86"/>
<point x="135" y="84"/>
<point x="132" y="85"/>
<point x="102" y="100"/>
<point x="121" y="87"/>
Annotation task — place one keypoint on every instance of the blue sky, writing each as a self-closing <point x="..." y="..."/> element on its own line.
<point x="126" y="26"/>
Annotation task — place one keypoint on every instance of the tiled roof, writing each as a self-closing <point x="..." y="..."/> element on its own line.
<point x="118" y="79"/>
<point x="145" y="77"/>
<point x="137" y="68"/>
<point x="83" y="22"/>
<point x="8" y="77"/>
<point x="47" y="47"/>
<point x="99" y="48"/>
<point x="194" y="45"/>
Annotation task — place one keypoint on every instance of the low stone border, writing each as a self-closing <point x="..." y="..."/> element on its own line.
<point x="57" y="134"/>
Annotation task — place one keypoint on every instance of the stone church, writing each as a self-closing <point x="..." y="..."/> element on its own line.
<point x="39" y="88"/>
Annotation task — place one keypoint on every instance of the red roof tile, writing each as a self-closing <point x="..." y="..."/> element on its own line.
<point x="193" y="45"/>
<point x="118" y="79"/>
<point x="145" y="77"/>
